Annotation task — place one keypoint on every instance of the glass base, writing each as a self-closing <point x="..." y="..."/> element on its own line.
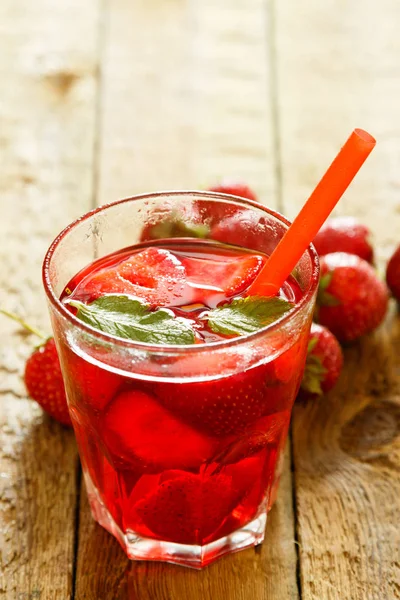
<point x="197" y="557"/>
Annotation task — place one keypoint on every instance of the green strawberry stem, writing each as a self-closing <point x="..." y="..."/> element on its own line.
<point x="24" y="324"/>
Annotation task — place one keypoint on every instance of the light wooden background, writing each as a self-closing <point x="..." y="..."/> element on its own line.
<point x="105" y="98"/>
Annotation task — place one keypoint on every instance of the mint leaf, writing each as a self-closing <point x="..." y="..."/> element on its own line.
<point x="246" y="315"/>
<point x="130" y="319"/>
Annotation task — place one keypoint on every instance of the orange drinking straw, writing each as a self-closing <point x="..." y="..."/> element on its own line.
<point x="313" y="214"/>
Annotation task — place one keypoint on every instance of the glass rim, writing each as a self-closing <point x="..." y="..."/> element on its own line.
<point x="176" y="348"/>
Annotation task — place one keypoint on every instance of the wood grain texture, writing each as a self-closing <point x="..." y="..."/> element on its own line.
<point x="47" y="65"/>
<point x="338" y="69"/>
<point x="186" y="99"/>
<point x="347" y="478"/>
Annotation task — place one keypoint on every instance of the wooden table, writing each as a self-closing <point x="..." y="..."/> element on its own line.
<point x="101" y="100"/>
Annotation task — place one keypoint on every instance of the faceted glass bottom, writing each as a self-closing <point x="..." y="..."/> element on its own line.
<point x="140" y="548"/>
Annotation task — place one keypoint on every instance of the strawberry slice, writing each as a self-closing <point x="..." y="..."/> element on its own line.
<point x="221" y="407"/>
<point x="137" y="430"/>
<point x="230" y="276"/>
<point x="187" y="508"/>
<point x="154" y="275"/>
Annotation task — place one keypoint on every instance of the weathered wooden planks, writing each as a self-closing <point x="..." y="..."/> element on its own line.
<point x="346" y="457"/>
<point x="338" y="69"/>
<point x="186" y="99"/>
<point x="47" y="101"/>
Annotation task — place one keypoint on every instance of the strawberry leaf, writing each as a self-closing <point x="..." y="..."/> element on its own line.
<point x="324" y="298"/>
<point x="311" y="344"/>
<point x="246" y="315"/>
<point x="325" y="281"/>
<point x="313" y="375"/>
<point x="129" y="318"/>
<point x="176" y="227"/>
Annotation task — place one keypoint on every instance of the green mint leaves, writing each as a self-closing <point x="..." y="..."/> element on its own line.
<point x="246" y="315"/>
<point x="129" y="318"/>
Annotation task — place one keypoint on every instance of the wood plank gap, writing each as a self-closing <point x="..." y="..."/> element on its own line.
<point x="338" y="69"/>
<point x="98" y="129"/>
<point x="47" y="73"/>
<point x="295" y="513"/>
<point x="274" y="104"/>
<point x="97" y="137"/>
<point x="78" y="481"/>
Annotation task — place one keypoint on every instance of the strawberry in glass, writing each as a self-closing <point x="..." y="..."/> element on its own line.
<point x="180" y="385"/>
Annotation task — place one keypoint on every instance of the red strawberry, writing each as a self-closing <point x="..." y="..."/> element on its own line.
<point x="90" y="384"/>
<point x="324" y="362"/>
<point x="244" y="228"/>
<point x="44" y="382"/>
<point x="393" y="274"/>
<point x="344" y="234"/>
<point x="228" y="276"/>
<point x="187" y="508"/>
<point x="167" y="222"/>
<point x="232" y="404"/>
<point x="352" y="300"/>
<point x="215" y="211"/>
<point x="235" y="188"/>
<point x="155" y="275"/>
<point x="220" y="407"/>
<point x="137" y="429"/>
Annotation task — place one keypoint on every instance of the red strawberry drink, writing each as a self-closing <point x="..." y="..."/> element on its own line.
<point x="180" y="385"/>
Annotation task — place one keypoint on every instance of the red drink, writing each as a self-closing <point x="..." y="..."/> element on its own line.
<point x="179" y="447"/>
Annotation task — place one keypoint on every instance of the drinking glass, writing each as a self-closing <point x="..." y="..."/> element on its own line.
<point x="192" y="497"/>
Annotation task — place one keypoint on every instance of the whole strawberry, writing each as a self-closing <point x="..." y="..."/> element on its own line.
<point x="219" y="408"/>
<point x="235" y="188"/>
<point x="324" y="362"/>
<point x="44" y="382"/>
<point x="393" y="274"/>
<point x="344" y="234"/>
<point x="351" y="300"/>
<point x="241" y="229"/>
